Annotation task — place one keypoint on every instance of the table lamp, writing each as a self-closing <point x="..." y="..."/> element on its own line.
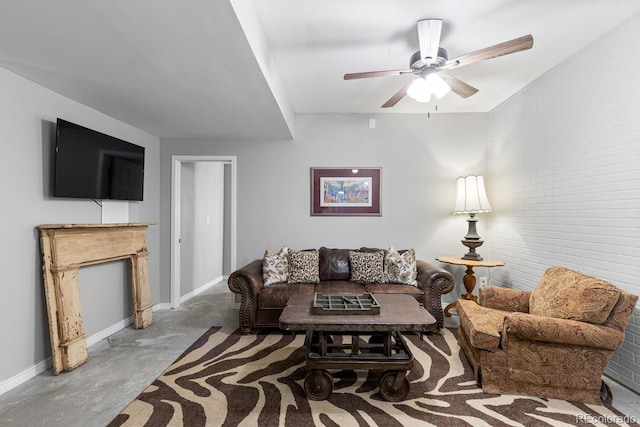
<point x="471" y="199"/>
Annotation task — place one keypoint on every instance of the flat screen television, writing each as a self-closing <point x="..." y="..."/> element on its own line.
<point x="89" y="164"/>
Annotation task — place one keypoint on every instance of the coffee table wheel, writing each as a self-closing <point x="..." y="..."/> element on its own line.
<point x="318" y="384"/>
<point x="394" y="386"/>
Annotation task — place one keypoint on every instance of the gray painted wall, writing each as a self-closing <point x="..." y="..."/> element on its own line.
<point x="28" y="113"/>
<point x="420" y="159"/>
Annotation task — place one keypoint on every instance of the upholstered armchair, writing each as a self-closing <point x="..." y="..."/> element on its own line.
<point x="553" y="342"/>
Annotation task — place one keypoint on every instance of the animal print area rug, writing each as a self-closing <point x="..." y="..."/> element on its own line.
<point x="227" y="379"/>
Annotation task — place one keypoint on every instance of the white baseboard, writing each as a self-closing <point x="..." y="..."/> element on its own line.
<point x="25" y="375"/>
<point x="161" y="306"/>
<point x="201" y="289"/>
<point x="40" y="367"/>
<point x="99" y="336"/>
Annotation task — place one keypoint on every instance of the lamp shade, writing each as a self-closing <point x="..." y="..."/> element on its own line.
<point x="471" y="197"/>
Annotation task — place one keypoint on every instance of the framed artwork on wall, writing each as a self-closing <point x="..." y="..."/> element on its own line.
<point x="345" y="191"/>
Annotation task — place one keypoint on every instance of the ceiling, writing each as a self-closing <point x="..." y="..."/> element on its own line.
<point x="244" y="68"/>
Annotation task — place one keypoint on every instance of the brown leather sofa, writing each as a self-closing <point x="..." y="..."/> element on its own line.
<point x="261" y="306"/>
<point x="553" y="342"/>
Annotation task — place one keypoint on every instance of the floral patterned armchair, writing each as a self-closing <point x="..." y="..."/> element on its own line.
<point x="554" y="341"/>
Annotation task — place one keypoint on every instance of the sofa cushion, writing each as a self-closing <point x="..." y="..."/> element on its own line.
<point x="339" y="287"/>
<point x="275" y="267"/>
<point x="334" y="264"/>
<point x="401" y="267"/>
<point x="482" y="325"/>
<point x="396" y="288"/>
<point x="367" y="267"/>
<point x="277" y="295"/>
<point x="303" y="266"/>
<point x="567" y="294"/>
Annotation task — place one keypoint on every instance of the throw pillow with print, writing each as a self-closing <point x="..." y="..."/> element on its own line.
<point x="367" y="267"/>
<point x="401" y="267"/>
<point x="304" y="266"/>
<point x="275" y="267"/>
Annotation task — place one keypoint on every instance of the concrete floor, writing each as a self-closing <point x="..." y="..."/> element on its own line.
<point x="118" y="369"/>
<point x="121" y="366"/>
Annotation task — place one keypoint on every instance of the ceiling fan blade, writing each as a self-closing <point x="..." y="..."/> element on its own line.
<point x="500" y="49"/>
<point x="458" y="86"/>
<point x="429" y="31"/>
<point x="368" y="74"/>
<point x="398" y="96"/>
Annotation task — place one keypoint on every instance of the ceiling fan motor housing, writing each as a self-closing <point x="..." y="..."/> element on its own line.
<point x="416" y="63"/>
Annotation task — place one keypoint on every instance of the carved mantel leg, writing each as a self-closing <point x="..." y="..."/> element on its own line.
<point x="73" y="340"/>
<point x="143" y="315"/>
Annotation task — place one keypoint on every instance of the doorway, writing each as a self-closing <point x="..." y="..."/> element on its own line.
<point x="182" y="167"/>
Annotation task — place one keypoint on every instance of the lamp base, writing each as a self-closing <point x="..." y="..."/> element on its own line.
<point x="472" y="245"/>
<point x="472" y="239"/>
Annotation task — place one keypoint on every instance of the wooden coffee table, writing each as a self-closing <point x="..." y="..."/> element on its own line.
<point x="385" y="349"/>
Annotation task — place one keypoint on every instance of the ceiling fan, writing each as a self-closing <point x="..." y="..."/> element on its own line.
<point x="429" y="62"/>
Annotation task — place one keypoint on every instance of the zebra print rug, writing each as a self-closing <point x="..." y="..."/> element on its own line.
<point x="227" y="379"/>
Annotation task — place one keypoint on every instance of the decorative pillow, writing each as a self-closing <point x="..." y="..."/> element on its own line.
<point x="303" y="267"/>
<point x="401" y="267"/>
<point x="275" y="267"/>
<point x="567" y="294"/>
<point x="367" y="267"/>
<point x="334" y="264"/>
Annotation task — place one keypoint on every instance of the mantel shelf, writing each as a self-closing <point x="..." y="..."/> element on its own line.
<point x="109" y="225"/>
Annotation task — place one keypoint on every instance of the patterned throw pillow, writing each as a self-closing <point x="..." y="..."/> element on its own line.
<point x="275" y="267"/>
<point x="367" y="267"/>
<point x="304" y="266"/>
<point x="401" y="268"/>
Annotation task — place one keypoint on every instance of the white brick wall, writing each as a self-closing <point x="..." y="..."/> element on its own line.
<point x="564" y="178"/>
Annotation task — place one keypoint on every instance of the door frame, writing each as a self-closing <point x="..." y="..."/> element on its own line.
<point x="176" y="171"/>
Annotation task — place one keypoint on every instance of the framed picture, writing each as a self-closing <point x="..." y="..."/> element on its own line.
<point x="345" y="191"/>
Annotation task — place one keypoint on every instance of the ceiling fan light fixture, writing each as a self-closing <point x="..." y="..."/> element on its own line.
<point x="423" y="87"/>
<point x="419" y="90"/>
<point x="437" y="84"/>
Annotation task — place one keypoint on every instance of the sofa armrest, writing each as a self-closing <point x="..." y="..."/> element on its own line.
<point x="247" y="279"/>
<point x="434" y="282"/>
<point x="561" y="331"/>
<point x="431" y="277"/>
<point x="505" y="299"/>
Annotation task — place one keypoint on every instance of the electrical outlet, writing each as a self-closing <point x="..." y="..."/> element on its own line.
<point x="483" y="282"/>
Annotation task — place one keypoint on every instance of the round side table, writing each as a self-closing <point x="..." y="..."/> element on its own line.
<point x="469" y="279"/>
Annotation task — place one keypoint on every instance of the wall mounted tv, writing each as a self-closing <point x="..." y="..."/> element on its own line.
<point x="92" y="165"/>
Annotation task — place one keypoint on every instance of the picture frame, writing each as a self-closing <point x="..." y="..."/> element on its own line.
<point x="346" y="191"/>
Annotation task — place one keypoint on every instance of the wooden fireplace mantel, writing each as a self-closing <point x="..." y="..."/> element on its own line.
<point x="66" y="248"/>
